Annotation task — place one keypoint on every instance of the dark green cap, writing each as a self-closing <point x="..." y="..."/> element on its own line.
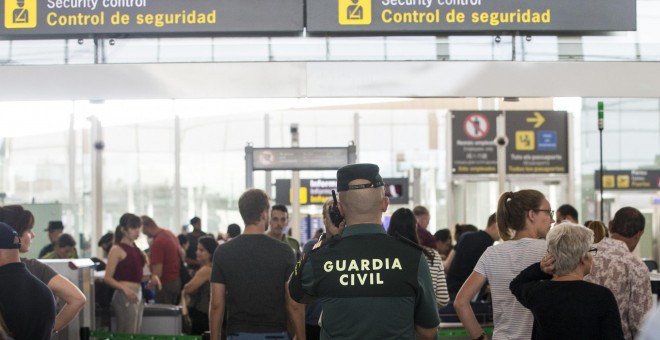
<point x="351" y="172"/>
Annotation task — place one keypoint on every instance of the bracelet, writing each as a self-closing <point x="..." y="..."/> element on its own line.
<point x="481" y="337"/>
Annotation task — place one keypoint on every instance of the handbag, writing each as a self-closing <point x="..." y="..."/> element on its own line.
<point x="186" y="323"/>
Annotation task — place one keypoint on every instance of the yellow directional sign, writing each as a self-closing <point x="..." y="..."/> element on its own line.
<point x="302" y="195"/>
<point x="538" y="119"/>
<point x="540" y="142"/>
<point x="623" y="181"/>
<point x="525" y="140"/>
<point x="628" y="180"/>
<point x="608" y="181"/>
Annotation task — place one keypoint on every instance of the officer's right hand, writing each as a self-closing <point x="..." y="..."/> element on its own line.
<point x="336" y="230"/>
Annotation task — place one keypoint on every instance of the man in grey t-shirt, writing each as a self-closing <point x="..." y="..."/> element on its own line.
<point x="27" y="305"/>
<point x="249" y="277"/>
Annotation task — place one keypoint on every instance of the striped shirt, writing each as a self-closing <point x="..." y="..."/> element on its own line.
<point x="438" y="278"/>
<point x="500" y="264"/>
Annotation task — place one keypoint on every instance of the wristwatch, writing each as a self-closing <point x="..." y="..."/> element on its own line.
<point x="481" y="337"/>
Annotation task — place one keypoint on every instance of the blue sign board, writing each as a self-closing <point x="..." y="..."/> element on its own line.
<point x="547" y="140"/>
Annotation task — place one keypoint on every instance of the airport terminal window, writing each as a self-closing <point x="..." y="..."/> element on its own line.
<point x="320" y="128"/>
<point x="619" y="47"/>
<point x="35" y="158"/>
<point x="133" y="51"/>
<point x="296" y="49"/>
<point x="138" y="171"/>
<point x="648" y="24"/>
<point x="411" y="48"/>
<point x="186" y="50"/>
<point x="247" y="49"/>
<point x="356" y="48"/>
<point x="479" y="48"/>
<point x="139" y="155"/>
<point x="539" y="48"/>
<point x="36" y="168"/>
<point x="35" y="52"/>
<point x="628" y="144"/>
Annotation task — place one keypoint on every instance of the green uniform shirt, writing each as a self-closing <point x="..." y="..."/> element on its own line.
<point x="371" y="286"/>
<point x="294" y="244"/>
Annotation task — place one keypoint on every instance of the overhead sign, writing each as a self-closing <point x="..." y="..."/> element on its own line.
<point x="438" y="16"/>
<point x="317" y="191"/>
<point x="66" y="18"/>
<point x="300" y="158"/>
<point x="473" y="147"/>
<point x="628" y="180"/>
<point x="538" y="142"/>
<point x="312" y="191"/>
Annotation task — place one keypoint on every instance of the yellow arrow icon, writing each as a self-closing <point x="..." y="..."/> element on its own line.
<point x="537" y="119"/>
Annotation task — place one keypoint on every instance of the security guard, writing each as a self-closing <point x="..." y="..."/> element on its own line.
<point x="371" y="286"/>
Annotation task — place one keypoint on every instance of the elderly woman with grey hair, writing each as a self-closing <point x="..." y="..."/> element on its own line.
<point x="564" y="305"/>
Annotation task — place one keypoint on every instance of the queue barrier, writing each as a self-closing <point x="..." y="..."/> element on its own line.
<point x="443" y="333"/>
<point x="460" y="332"/>
<point x="483" y="311"/>
<point x="122" y="336"/>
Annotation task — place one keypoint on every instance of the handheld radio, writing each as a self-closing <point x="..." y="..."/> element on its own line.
<point x="335" y="215"/>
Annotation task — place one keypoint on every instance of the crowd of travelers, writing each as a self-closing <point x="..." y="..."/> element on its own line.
<point x="542" y="274"/>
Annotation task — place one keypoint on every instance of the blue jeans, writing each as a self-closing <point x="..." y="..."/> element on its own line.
<point x="258" y="336"/>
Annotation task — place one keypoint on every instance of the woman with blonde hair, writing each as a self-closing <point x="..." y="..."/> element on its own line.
<point x="599" y="229"/>
<point x="523" y="219"/>
<point x="124" y="273"/>
<point x="564" y="305"/>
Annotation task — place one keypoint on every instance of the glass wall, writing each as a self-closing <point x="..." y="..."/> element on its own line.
<point x="46" y="164"/>
<point x="47" y="154"/>
<point x="631" y="141"/>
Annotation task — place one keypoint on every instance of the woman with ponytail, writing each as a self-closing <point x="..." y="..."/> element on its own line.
<point x="124" y="273"/>
<point x="523" y="220"/>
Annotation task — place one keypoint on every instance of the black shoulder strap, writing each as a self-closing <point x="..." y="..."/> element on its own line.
<point x="408" y="242"/>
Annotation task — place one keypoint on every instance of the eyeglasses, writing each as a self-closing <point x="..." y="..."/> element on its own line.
<point x="550" y="212"/>
<point x="593" y="251"/>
